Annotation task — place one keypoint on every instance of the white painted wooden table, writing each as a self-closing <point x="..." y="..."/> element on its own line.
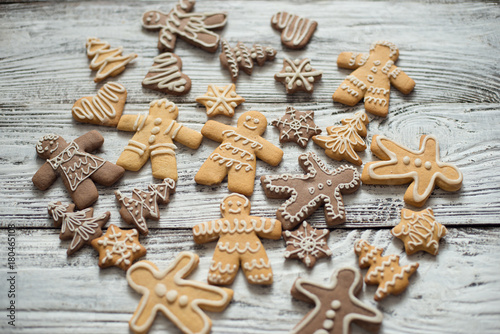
<point x="451" y="51"/>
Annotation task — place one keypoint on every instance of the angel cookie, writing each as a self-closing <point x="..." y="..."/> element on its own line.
<point x="306" y="193"/>
<point x="239" y="242"/>
<point x="422" y="169"/>
<point x="372" y="79"/>
<point x="236" y="156"/>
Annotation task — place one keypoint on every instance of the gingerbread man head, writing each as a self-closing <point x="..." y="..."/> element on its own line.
<point x="384" y="51"/>
<point x="253" y="121"/>
<point x="163" y="109"/>
<point x="50" y="145"/>
<point x="154" y="19"/>
<point x="235" y="204"/>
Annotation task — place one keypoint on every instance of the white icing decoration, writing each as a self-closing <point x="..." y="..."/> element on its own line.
<point x="295" y="28"/>
<point x="418" y="162"/>
<point x="103" y="56"/>
<point x="102" y="105"/>
<point x="377" y="90"/>
<point x="428" y="165"/>
<point x="167" y="74"/>
<point x="121" y="248"/>
<point x="375" y="100"/>
<point x="237" y="137"/>
<point x="297" y="75"/>
<point x="307" y="246"/>
<point x="393" y="49"/>
<point x="356" y="82"/>
<point x="297" y="127"/>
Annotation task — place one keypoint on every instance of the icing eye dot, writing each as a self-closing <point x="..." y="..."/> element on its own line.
<point x="248" y="118"/>
<point x="428" y="165"/>
<point x="229" y="203"/>
<point x="238" y="203"/>
<point x="256" y="121"/>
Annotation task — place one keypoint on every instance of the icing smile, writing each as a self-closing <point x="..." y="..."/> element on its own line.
<point x="249" y="127"/>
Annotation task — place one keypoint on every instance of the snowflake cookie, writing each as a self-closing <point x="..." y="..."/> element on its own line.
<point x="298" y="75"/>
<point x="296" y="126"/>
<point x="307" y="244"/>
<point x="220" y="100"/>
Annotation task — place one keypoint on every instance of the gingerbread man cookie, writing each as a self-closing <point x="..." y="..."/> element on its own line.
<point x="220" y="100"/>
<point x="296" y="126"/>
<point x="78" y="226"/>
<point x="384" y="270"/>
<point x="165" y="75"/>
<point x="154" y="135"/>
<point x="372" y="79"/>
<point x="107" y="62"/>
<point x="105" y="108"/>
<point x="144" y="204"/>
<point x="344" y="140"/>
<point x="182" y="301"/>
<point x="298" y="75"/>
<point x="422" y="169"/>
<point x="419" y="231"/>
<point x="336" y="304"/>
<point x="236" y="156"/>
<point x="306" y="193"/>
<point x="194" y="28"/>
<point x="307" y="244"/>
<point x="296" y="31"/>
<point x="77" y="168"/>
<point x="239" y="242"/>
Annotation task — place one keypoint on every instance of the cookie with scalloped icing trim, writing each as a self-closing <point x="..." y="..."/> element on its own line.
<point x="166" y="75"/>
<point x="298" y="75"/>
<point x="307" y="244"/>
<point x="296" y="31"/>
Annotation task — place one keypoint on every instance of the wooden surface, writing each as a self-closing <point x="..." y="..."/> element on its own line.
<point x="449" y="49"/>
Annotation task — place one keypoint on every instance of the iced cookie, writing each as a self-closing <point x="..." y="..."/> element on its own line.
<point x="298" y="75"/>
<point x="165" y="75"/>
<point x="239" y="242"/>
<point x="220" y="100"/>
<point x="296" y="31"/>
<point x="296" y="126"/>
<point x="307" y="244"/>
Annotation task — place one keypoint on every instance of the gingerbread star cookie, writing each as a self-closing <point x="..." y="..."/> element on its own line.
<point x="239" y="242"/>
<point x="307" y="244"/>
<point x="105" y="108"/>
<point x="419" y="231"/>
<point x="168" y="291"/>
<point x="165" y="75"/>
<point x="296" y="31"/>
<point x="336" y="304"/>
<point x="296" y="126"/>
<point x="298" y="75"/>
<point x="423" y="169"/>
<point x="383" y="270"/>
<point x="306" y="193"/>
<point x="220" y="100"/>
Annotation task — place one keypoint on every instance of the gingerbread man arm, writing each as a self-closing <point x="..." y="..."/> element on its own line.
<point x="400" y="80"/>
<point x="129" y="122"/>
<point x="351" y="60"/>
<point x="188" y="137"/>
<point x="269" y="153"/>
<point x="44" y="177"/>
<point x="268" y="228"/>
<point x="214" y="130"/>
<point x="90" y="141"/>
<point x="207" y="231"/>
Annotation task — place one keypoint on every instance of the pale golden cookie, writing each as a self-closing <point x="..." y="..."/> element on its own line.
<point x="220" y="100"/>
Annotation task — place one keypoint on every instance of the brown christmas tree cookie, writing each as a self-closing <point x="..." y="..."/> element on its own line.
<point x="154" y="137"/>
<point x="237" y="156"/>
<point x="306" y="193"/>
<point x="343" y="141"/>
<point x="422" y="169"/>
<point x="372" y="79"/>
<point x="194" y="28"/>
<point x="336" y="304"/>
<point x="169" y="291"/>
<point x="419" y="231"/>
<point x="220" y="100"/>
<point x="307" y="244"/>
<point x="242" y="58"/>
<point x="78" y="226"/>
<point x="165" y="75"/>
<point x="296" y="31"/>
<point x="105" y="108"/>
<point x="296" y="126"/>
<point x="106" y="61"/>
<point x="144" y="204"/>
<point x="383" y="270"/>
<point x="239" y="242"/>
<point x="77" y="168"/>
<point x="118" y="247"/>
<point x="298" y="75"/>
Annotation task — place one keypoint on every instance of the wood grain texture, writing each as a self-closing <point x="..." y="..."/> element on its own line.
<point x="450" y="48"/>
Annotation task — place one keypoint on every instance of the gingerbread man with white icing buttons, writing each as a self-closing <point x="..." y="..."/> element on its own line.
<point x="155" y="133"/>
<point x="236" y="156"/>
<point x="239" y="242"/>
<point x="374" y="73"/>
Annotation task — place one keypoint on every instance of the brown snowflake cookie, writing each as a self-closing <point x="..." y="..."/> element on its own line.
<point x="165" y="75"/>
<point x="296" y="31"/>
<point x="296" y="126"/>
<point x="78" y="226"/>
<point x="118" y="247"/>
<point x="242" y="58"/>
<point x="298" y="75"/>
<point x="105" y="108"/>
<point x="106" y="61"/>
<point x="144" y="204"/>
<point x="77" y="168"/>
<point x="344" y="140"/>
<point x="194" y="28"/>
<point x="306" y="244"/>
<point x="419" y="231"/>
<point x="308" y="192"/>
<point x="383" y="270"/>
<point x="220" y="100"/>
<point x="336" y="304"/>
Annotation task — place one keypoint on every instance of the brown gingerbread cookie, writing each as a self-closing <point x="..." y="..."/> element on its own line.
<point x="77" y="168"/>
<point x="165" y="75"/>
<point x="296" y="31"/>
<point x="306" y="193"/>
<point x="307" y="244"/>
<point x="298" y="75"/>
<point x="194" y="28"/>
<point x="296" y="126"/>
<point x="78" y="226"/>
<point x="220" y="100"/>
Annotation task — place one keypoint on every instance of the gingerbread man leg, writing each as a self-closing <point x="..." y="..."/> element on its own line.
<point x="377" y="99"/>
<point x="107" y="174"/>
<point x="133" y="157"/>
<point x="164" y="165"/>
<point x="223" y="268"/>
<point x="85" y="194"/>
<point x="256" y="267"/>
<point x="212" y="171"/>
<point x="350" y="92"/>
<point x="241" y="181"/>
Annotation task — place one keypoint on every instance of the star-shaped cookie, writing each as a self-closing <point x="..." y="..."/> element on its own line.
<point x="296" y="126"/>
<point x="307" y="244"/>
<point x="220" y="100"/>
<point x="298" y="75"/>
